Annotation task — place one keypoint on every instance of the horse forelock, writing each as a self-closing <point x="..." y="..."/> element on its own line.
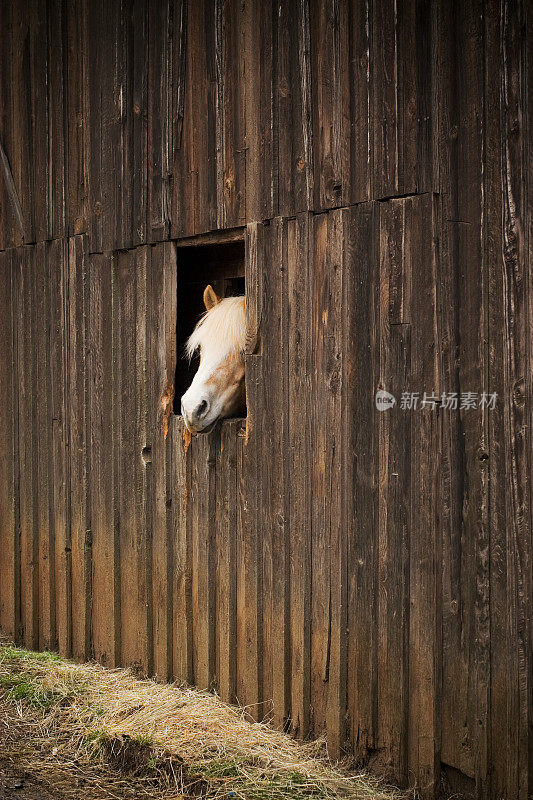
<point x="222" y="328"/>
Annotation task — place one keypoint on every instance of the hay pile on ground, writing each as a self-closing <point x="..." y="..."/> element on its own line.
<point x="95" y="733"/>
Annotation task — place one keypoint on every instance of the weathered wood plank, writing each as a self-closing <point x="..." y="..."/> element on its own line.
<point x="97" y="156"/>
<point x="259" y="55"/>
<point x="425" y="540"/>
<point x="249" y="553"/>
<point x="19" y="156"/>
<point x="9" y="534"/>
<point x="326" y="292"/>
<point x="140" y="261"/>
<point x="201" y="51"/>
<point x="453" y="711"/>
<point x="273" y="420"/>
<point x="162" y="296"/>
<point x="130" y="387"/>
<point x="401" y="98"/>
<point x="42" y="423"/>
<point x="39" y="90"/>
<point x="179" y="471"/>
<point x="11" y="219"/>
<point x="137" y="80"/>
<point x="509" y="276"/>
<point x="294" y="119"/>
<point x="76" y="88"/>
<point x="54" y="254"/>
<point x="57" y="124"/>
<point x="226" y="549"/>
<point x="463" y="285"/>
<point x="159" y="102"/>
<point x="102" y="410"/>
<point x="330" y="31"/>
<point x="249" y="570"/>
<point x="394" y="482"/>
<point x="106" y="124"/>
<point x="203" y="454"/>
<point x="300" y="449"/>
<point x="231" y="144"/>
<point x="269" y="251"/>
<point x="79" y="498"/>
<point x="195" y="170"/>
<point x="499" y="754"/>
<point x="414" y="77"/>
<point x="335" y="316"/>
<point x="362" y="294"/>
<point x="320" y="291"/>
<point x="121" y="128"/>
<point x="361" y="110"/>
<point x="60" y="467"/>
<point x="384" y="100"/>
<point x="26" y="364"/>
<point x="183" y="175"/>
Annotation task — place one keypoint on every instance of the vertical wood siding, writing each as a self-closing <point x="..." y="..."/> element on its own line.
<point x="344" y="571"/>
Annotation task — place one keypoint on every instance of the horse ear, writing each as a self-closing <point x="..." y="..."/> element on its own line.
<point x="210" y="297"/>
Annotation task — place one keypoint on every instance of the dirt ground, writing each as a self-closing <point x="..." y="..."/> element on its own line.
<point x="18" y="785"/>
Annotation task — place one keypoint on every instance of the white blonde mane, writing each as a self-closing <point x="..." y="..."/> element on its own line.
<point x="223" y="328"/>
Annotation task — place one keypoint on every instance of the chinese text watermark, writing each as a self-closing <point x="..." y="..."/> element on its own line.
<point x="412" y="401"/>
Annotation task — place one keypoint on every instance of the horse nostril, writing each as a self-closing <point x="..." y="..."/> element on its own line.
<point x="202" y="409"/>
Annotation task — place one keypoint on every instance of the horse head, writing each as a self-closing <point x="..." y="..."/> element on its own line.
<point x="217" y="390"/>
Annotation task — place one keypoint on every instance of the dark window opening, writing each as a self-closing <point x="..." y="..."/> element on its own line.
<point x="222" y="266"/>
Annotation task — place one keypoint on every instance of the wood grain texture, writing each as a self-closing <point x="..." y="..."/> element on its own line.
<point x="202" y="508"/>
<point x="362" y="287"/>
<point x="130" y="396"/>
<point x="330" y="32"/>
<point x="401" y="98"/>
<point x="21" y="118"/>
<point x="58" y="266"/>
<point x="11" y="220"/>
<point x="261" y="163"/>
<point x="9" y="535"/>
<point x="294" y="103"/>
<point x="395" y="478"/>
<point x="182" y="630"/>
<point x="25" y="322"/>
<point x="42" y="86"/>
<point x="463" y="277"/>
<point x="161" y="321"/>
<point x="45" y="527"/>
<point x="513" y="281"/>
<point x="336" y="478"/>
<point x="57" y="124"/>
<point x="274" y="471"/>
<point x="299" y="451"/>
<point x="326" y="293"/>
<point x="249" y="550"/>
<point x="425" y="541"/>
<point x="226" y="549"/>
<point x="76" y="57"/>
<point x="79" y="448"/>
<point x="155" y="94"/>
<point x="102" y="410"/>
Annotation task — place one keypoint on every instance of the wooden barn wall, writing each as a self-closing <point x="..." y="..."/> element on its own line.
<point x="340" y="570"/>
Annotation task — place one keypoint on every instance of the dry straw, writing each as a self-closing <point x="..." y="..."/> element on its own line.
<point x="88" y="732"/>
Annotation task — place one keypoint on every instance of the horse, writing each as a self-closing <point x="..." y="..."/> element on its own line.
<point x="218" y="389"/>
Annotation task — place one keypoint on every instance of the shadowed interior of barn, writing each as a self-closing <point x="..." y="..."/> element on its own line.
<point x="364" y="166"/>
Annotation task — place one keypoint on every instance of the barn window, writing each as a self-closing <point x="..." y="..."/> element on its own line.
<point x="217" y="260"/>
